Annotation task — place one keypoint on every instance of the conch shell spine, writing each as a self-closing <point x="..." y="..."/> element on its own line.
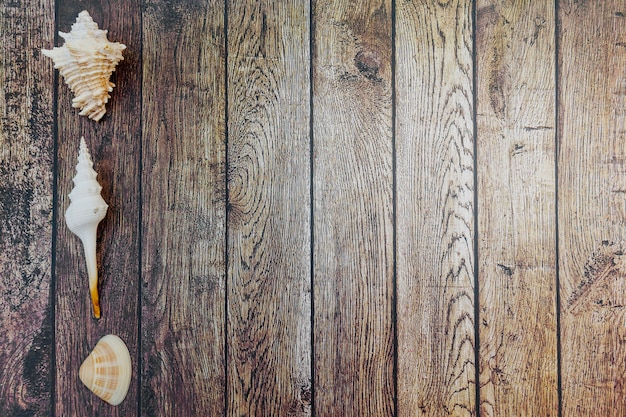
<point x="86" y="62"/>
<point x="107" y="370"/>
<point x="83" y="215"/>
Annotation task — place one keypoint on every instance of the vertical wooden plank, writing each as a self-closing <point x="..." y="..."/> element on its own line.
<point x="435" y="219"/>
<point x="353" y="209"/>
<point x="26" y="185"/>
<point x="114" y="146"/>
<point x="592" y="205"/>
<point x="183" y="213"/>
<point x="269" y="306"/>
<point x="516" y="207"/>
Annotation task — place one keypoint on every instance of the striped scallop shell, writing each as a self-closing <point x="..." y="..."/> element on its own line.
<point x="86" y="62"/>
<point x="107" y="370"/>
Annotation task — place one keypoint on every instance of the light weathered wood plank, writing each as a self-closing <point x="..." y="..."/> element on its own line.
<point x="269" y="305"/>
<point x="435" y="185"/>
<point x="114" y="146"/>
<point x="353" y="209"/>
<point x="183" y="213"/>
<point x="26" y="172"/>
<point x="516" y="207"/>
<point x="592" y="205"/>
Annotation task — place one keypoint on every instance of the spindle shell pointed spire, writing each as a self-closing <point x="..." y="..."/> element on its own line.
<point x="86" y="210"/>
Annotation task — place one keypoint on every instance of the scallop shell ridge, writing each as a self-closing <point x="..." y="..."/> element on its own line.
<point x="107" y="370"/>
<point x="86" y="62"/>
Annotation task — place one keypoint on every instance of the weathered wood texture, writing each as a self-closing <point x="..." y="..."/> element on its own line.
<point x="353" y="209"/>
<point x="266" y="253"/>
<point x="435" y="183"/>
<point x="515" y="60"/>
<point x="184" y="210"/>
<point x="592" y="205"/>
<point x="269" y="296"/>
<point x="115" y="148"/>
<point x="26" y="181"/>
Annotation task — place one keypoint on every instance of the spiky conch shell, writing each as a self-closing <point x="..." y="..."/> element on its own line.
<point x="86" y="210"/>
<point x="86" y="62"/>
<point x="107" y="370"/>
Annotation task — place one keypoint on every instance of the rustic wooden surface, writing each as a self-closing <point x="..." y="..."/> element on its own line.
<point x="183" y="256"/>
<point x="26" y="210"/>
<point x="435" y="183"/>
<point x="269" y="281"/>
<point x="515" y="122"/>
<point x="592" y="206"/>
<point x="325" y="208"/>
<point x="113" y="145"/>
<point x="353" y="209"/>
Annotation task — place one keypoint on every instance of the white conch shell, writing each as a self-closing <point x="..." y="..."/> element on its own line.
<point x="86" y="210"/>
<point x="107" y="370"/>
<point x="86" y="61"/>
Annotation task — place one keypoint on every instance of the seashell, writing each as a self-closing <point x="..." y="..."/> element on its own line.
<point x="107" y="370"/>
<point x="86" y="210"/>
<point x="86" y="62"/>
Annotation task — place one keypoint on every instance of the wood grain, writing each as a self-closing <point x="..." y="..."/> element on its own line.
<point x="26" y="189"/>
<point x="183" y="212"/>
<point x="353" y="209"/>
<point x="592" y="205"/>
<point x="435" y="199"/>
<point x="223" y="304"/>
<point x="515" y="52"/>
<point x="269" y="294"/>
<point x="115" y="146"/>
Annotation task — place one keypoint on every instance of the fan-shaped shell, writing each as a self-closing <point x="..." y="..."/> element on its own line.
<point x="86" y="62"/>
<point x="86" y="210"/>
<point x="107" y="370"/>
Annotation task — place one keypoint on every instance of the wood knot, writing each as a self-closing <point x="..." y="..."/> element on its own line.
<point x="603" y="267"/>
<point x="507" y="270"/>
<point x="305" y="394"/>
<point x="368" y="63"/>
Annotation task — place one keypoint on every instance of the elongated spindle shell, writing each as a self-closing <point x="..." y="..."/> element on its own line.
<point x="83" y="215"/>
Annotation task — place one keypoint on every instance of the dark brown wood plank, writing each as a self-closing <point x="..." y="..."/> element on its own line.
<point x="592" y="205"/>
<point x="114" y="146"/>
<point x="183" y="213"/>
<point x="515" y="52"/>
<point x="353" y="209"/>
<point x="269" y="304"/>
<point x="26" y="178"/>
<point x="435" y="219"/>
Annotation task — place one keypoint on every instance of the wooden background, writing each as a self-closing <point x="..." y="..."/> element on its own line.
<point x="335" y="208"/>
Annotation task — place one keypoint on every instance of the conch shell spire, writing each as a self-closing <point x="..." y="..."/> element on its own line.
<point x="86" y="210"/>
<point x="86" y="62"/>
